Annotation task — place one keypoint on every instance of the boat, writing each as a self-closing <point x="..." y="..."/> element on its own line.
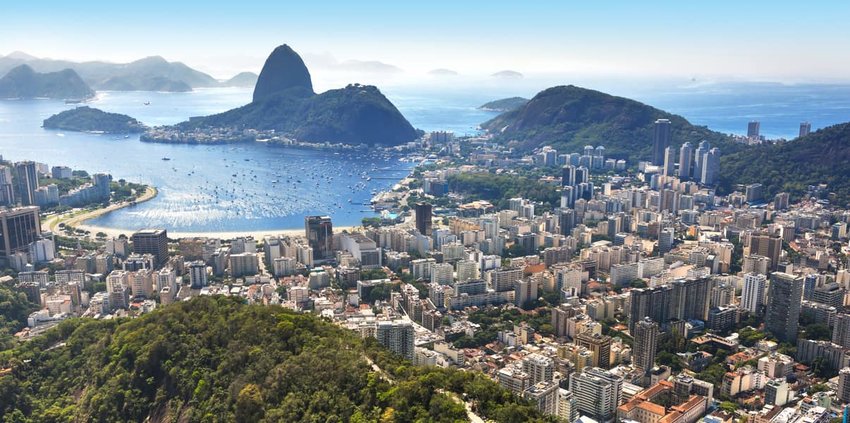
<point x="147" y="103"/>
<point x="166" y="159"/>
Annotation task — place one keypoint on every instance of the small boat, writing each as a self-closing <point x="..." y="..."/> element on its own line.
<point x="147" y="103"/>
<point x="166" y="159"/>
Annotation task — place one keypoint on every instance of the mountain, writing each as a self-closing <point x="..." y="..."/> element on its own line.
<point x="87" y="119"/>
<point x="242" y="79"/>
<point x="24" y="82"/>
<point x="147" y="74"/>
<point x="822" y="157"/>
<point x="507" y="74"/>
<point x="442" y="72"/>
<point x="570" y="117"/>
<point x="283" y="71"/>
<point x="505" y="104"/>
<point x="284" y="101"/>
<point x="215" y="358"/>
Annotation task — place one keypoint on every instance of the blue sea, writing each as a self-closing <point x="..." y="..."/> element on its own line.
<point x="252" y="187"/>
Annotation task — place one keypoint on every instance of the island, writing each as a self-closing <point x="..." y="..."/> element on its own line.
<point x="286" y="109"/>
<point x="88" y="119"/>
<point x="25" y="83"/>
<point x="507" y="74"/>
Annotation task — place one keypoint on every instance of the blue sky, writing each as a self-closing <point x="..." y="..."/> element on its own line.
<point x="778" y="40"/>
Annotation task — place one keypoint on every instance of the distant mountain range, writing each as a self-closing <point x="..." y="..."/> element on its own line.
<point x="285" y="102"/>
<point x="504" y="105"/>
<point x="242" y="79"/>
<point x="822" y="157"/>
<point x="24" y="82"/>
<point x="87" y="119"/>
<point x="570" y="117"/>
<point x="148" y="74"/>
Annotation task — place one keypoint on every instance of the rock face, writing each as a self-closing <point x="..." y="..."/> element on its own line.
<point x="24" y="82"/>
<point x="284" y="71"/>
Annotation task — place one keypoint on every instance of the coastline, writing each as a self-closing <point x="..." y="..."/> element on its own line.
<point x="78" y="219"/>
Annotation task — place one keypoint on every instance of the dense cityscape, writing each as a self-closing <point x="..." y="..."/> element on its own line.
<point x="642" y="295"/>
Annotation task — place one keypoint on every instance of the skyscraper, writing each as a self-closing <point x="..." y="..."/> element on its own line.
<point x="699" y="156"/>
<point x="686" y="158"/>
<point x="669" y="161"/>
<point x="320" y="234"/>
<point x="783" y="306"/>
<point x="19" y="227"/>
<point x="752" y="297"/>
<point x="660" y="140"/>
<point x="152" y="241"/>
<point x="597" y="393"/>
<point x="690" y="299"/>
<point x="753" y="129"/>
<point x="423" y="218"/>
<point x="650" y="302"/>
<point x="26" y="182"/>
<point x="710" y="166"/>
<point x="568" y="176"/>
<point x="805" y="128"/>
<point x="645" y="344"/>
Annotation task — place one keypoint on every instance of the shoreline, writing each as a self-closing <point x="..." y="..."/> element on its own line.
<point x="78" y="219"/>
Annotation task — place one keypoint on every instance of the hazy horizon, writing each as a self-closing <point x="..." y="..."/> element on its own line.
<point x="754" y="41"/>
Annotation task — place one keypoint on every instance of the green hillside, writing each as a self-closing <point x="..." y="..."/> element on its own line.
<point x="90" y="119"/>
<point x="822" y="157"/>
<point x="570" y="117"/>
<point x="215" y="359"/>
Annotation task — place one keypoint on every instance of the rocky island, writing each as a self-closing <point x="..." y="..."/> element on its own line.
<point x="88" y="119"/>
<point x="285" y="106"/>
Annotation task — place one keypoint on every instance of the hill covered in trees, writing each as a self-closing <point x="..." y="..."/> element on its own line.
<point x="504" y="105"/>
<point x="570" y="117"/>
<point x="215" y="359"/>
<point x="24" y="82"/>
<point x="89" y="119"/>
<point x="822" y="157"/>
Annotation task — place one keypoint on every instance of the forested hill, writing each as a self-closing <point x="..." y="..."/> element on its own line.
<point x="570" y="117"/>
<point x="216" y="359"/>
<point x="822" y="157"/>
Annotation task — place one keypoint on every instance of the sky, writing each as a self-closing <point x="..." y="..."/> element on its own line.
<point x="780" y="41"/>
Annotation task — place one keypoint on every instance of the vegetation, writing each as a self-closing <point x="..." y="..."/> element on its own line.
<point x="14" y="310"/>
<point x="215" y="359"/>
<point x="91" y="119"/>
<point x="24" y="82"/>
<point x="822" y="157"/>
<point x="498" y="189"/>
<point x="570" y="117"/>
<point x="505" y="104"/>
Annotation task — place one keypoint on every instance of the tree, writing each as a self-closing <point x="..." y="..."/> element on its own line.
<point x="249" y="404"/>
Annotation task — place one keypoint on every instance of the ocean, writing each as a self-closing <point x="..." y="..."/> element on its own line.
<point x="252" y="187"/>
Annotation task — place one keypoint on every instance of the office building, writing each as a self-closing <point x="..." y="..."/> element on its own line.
<point x="397" y="336"/>
<point x="423" y="218"/>
<point x="319" y="233"/>
<point x="660" y="140"/>
<point x="26" y="182"/>
<point x="753" y="129"/>
<point x="152" y="241"/>
<point x="752" y="296"/>
<point x="19" y="228"/>
<point x="597" y="393"/>
<point x="783" y="306"/>
<point x="805" y="128"/>
<point x="645" y="347"/>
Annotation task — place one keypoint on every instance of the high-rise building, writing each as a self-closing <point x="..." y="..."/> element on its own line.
<point x="660" y="140"/>
<point x="844" y="385"/>
<point x="752" y="296"/>
<point x="699" y="155"/>
<point x="597" y="393"/>
<point x="197" y="274"/>
<point x="710" y="167"/>
<point x="539" y="367"/>
<point x="397" y="336"/>
<point x="841" y="330"/>
<point x="423" y="218"/>
<point x="19" y="227"/>
<point x="320" y="234"/>
<point x="646" y="336"/>
<point x="650" y="302"/>
<point x="525" y="292"/>
<point x="599" y="345"/>
<point x="7" y="190"/>
<point x="767" y="246"/>
<point x="753" y="129"/>
<point x="805" y="128"/>
<point x="690" y="299"/>
<point x="669" y="161"/>
<point x="783" y="306"/>
<point x="26" y="182"/>
<point x="686" y="157"/>
<point x="152" y="241"/>
<point x="665" y="240"/>
<point x="568" y="176"/>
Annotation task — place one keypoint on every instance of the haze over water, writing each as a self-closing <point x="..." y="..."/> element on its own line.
<point x="198" y="191"/>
